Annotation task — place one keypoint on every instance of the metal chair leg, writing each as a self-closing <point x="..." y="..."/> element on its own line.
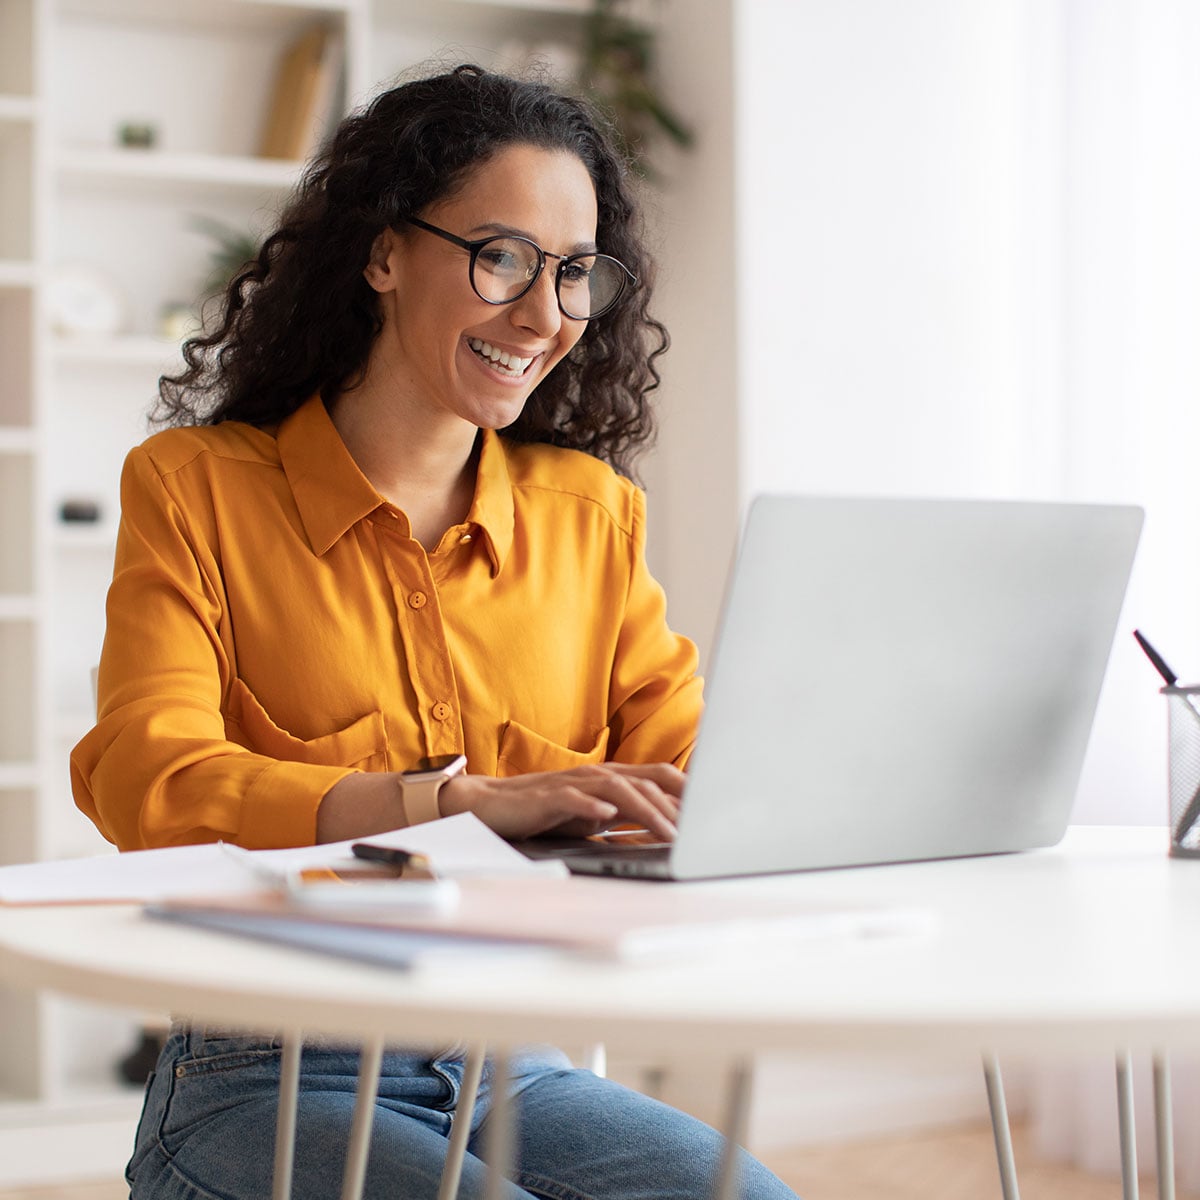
<point x="1001" y="1131"/>
<point x="285" y="1122"/>
<point x="364" y="1117"/>
<point x="1164" y="1138"/>
<point x="460" y="1134"/>
<point x="597" y="1059"/>
<point x="1129" y="1175"/>
<point x="737" y="1115"/>
<point x="500" y="1139"/>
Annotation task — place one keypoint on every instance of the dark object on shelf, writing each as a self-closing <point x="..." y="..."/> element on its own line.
<point x="136" y="1066"/>
<point x="137" y="135"/>
<point x="79" y="512"/>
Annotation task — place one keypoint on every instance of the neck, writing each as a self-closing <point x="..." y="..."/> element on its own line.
<point x="425" y="468"/>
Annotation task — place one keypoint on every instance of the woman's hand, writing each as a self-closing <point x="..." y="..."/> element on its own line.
<point x="577" y="802"/>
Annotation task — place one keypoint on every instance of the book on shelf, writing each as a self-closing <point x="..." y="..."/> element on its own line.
<point x="303" y="95"/>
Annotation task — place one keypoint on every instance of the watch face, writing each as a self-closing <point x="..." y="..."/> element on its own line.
<point x="439" y="766"/>
<point x="439" y="762"/>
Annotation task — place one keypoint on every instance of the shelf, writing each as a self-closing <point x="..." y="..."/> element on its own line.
<point x="101" y="535"/>
<point x="237" y="14"/>
<point x="16" y="775"/>
<point x="16" y="273"/>
<point x="17" y="608"/>
<point x="129" y="350"/>
<point x="17" y="440"/>
<point x="17" y="108"/>
<point x="85" y="1098"/>
<point x="113" y="166"/>
<point x="572" y="7"/>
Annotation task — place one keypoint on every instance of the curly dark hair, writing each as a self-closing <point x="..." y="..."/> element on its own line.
<point x="300" y="318"/>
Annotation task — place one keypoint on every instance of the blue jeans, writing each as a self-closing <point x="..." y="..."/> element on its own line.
<point x="208" y="1129"/>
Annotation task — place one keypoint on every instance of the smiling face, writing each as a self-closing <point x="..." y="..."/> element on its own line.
<point x="444" y="353"/>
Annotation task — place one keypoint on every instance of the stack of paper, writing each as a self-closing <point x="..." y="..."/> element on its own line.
<point x="457" y="846"/>
<point x="487" y="895"/>
<point x="609" y="918"/>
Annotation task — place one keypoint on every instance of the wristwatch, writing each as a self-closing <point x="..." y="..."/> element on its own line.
<point x="419" y="787"/>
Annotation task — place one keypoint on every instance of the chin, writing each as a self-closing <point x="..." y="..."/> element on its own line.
<point x="496" y="416"/>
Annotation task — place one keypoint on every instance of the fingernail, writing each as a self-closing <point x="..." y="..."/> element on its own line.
<point x="607" y="810"/>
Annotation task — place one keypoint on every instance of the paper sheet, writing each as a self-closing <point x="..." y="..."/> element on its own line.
<point x="457" y="846"/>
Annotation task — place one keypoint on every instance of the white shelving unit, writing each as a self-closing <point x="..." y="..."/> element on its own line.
<point x="72" y="72"/>
<point x="23" y="625"/>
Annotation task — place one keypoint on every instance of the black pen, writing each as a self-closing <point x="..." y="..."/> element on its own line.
<point x="394" y="858"/>
<point x="1153" y="655"/>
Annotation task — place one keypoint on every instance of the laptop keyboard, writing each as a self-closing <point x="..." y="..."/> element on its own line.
<point x="552" y="847"/>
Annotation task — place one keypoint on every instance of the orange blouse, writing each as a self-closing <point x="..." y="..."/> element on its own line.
<point x="272" y="627"/>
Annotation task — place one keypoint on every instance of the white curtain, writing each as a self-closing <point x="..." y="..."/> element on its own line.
<point x="1118" y="78"/>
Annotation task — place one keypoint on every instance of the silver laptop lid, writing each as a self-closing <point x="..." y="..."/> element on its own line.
<point x="902" y="679"/>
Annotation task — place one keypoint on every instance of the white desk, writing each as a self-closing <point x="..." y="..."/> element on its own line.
<point x="1092" y="944"/>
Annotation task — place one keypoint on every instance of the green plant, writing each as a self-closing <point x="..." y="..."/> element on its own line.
<point x="234" y="248"/>
<point x="617" y="71"/>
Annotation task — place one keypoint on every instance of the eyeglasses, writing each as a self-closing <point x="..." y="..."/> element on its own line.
<point x="505" y="267"/>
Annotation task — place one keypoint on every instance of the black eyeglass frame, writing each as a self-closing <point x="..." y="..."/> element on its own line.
<point x="628" y="278"/>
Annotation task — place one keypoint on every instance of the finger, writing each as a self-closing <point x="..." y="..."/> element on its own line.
<point x="576" y="805"/>
<point x="638" y="800"/>
<point x="524" y="806"/>
<point x="666" y="775"/>
<point x="666" y="800"/>
<point x="666" y="804"/>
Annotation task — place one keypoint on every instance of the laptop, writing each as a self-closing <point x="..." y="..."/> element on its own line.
<point x="893" y="680"/>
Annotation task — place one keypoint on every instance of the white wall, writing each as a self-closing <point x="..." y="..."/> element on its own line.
<point x="877" y="148"/>
<point x="692" y="479"/>
<point x="965" y="262"/>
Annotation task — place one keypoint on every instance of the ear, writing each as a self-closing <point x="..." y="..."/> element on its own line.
<point x="380" y="270"/>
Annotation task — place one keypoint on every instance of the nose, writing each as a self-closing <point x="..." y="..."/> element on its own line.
<point x="538" y="309"/>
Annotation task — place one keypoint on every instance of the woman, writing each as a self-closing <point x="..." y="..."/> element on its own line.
<point x="335" y="568"/>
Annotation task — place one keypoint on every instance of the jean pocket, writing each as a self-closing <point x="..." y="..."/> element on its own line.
<point x="218" y="1078"/>
<point x="225" y="1060"/>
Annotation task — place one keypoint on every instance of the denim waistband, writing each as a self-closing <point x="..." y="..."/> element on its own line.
<point x="196" y="1033"/>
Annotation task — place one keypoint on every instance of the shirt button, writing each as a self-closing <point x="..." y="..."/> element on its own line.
<point x="418" y="600"/>
<point x="466" y="537"/>
<point x="441" y="711"/>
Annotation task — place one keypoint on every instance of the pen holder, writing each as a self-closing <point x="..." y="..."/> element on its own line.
<point x="1183" y="768"/>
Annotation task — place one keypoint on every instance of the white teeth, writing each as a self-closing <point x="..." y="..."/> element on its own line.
<point x="510" y="364"/>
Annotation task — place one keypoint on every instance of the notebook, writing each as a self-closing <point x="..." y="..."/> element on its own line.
<point x="894" y="680"/>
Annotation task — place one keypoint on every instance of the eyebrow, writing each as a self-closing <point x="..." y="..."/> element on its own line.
<point x="497" y="228"/>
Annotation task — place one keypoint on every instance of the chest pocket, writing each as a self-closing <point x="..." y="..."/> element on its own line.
<point x="361" y="743"/>
<point x="522" y="752"/>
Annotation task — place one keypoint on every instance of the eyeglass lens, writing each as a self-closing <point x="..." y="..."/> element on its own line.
<point x="505" y="268"/>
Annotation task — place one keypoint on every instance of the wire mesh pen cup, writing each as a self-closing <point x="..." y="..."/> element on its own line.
<point x="1183" y="768"/>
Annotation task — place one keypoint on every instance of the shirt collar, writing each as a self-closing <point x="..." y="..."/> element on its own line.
<point x="333" y="495"/>
<point x="492" y="508"/>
